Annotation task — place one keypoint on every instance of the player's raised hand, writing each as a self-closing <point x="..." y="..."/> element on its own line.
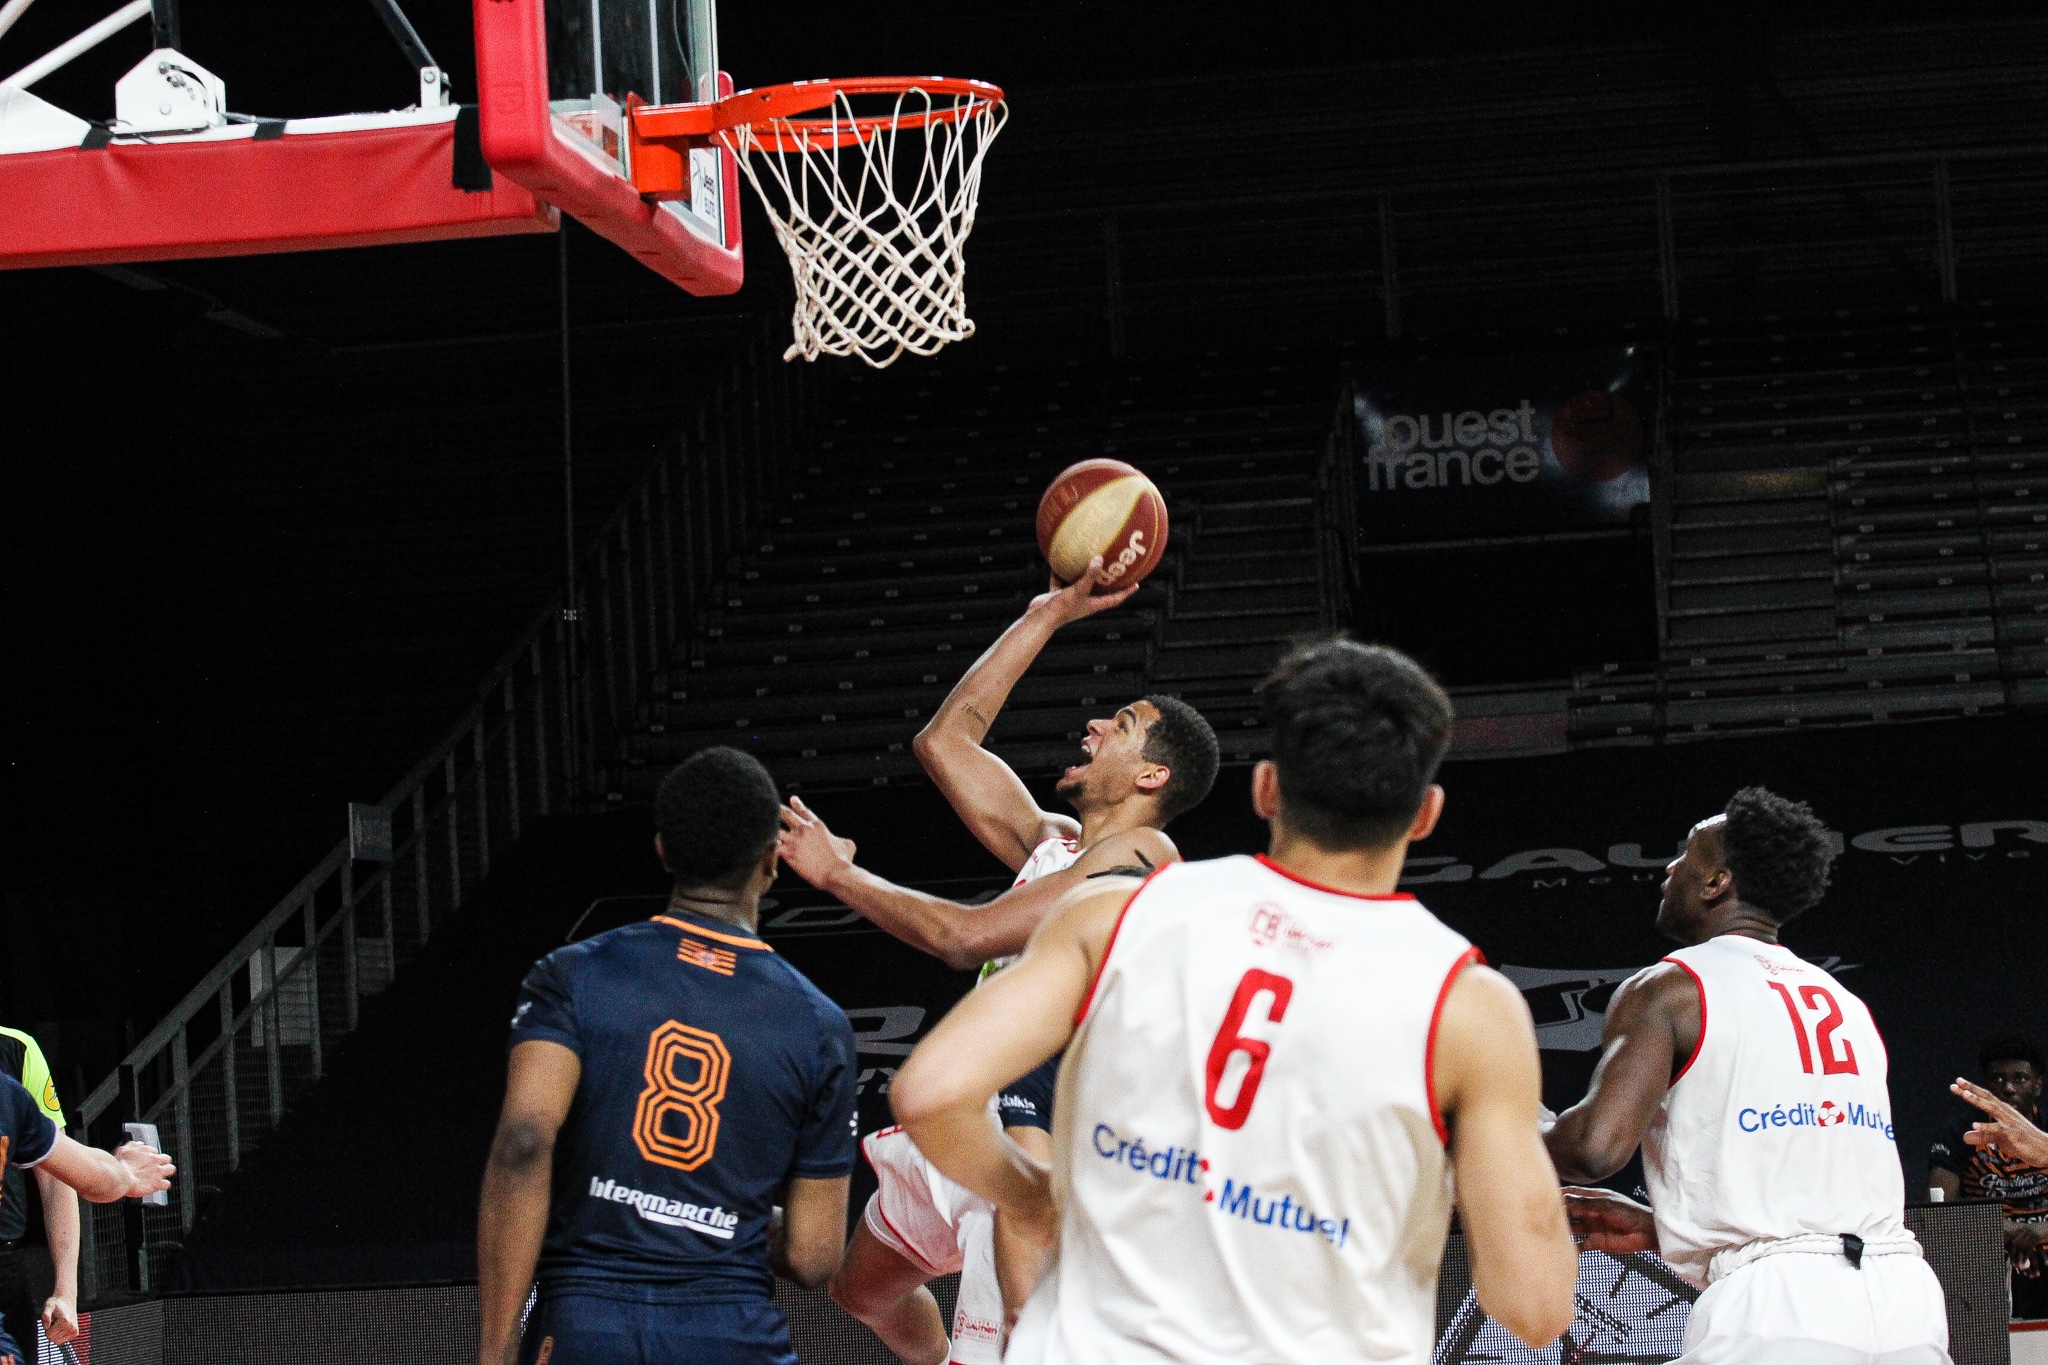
<point x="1065" y="602"/>
<point x="1605" y="1221"/>
<point x="148" y="1169"/>
<point x="2008" y="1130"/>
<point x="809" y="848"/>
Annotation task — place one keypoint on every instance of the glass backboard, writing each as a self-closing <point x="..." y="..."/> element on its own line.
<point x="554" y="81"/>
<point x="601" y="52"/>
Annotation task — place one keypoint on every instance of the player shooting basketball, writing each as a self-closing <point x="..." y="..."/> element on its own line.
<point x="1756" y="1087"/>
<point x="1152" y="760"/>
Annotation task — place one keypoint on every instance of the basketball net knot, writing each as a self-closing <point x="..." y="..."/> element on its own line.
<point x="874" y="215"/>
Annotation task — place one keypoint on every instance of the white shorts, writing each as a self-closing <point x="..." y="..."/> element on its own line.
<point x="1808" y="1309"/>
<point x="939" y="1227"/>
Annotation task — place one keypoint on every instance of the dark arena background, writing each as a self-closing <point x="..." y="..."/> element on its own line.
<point x="1671" y="380"/>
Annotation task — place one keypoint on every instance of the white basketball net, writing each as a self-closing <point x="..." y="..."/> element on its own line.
<point x="876" y="250"/>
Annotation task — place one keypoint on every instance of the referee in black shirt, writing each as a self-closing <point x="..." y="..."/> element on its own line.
<point x="23" y="1060"/>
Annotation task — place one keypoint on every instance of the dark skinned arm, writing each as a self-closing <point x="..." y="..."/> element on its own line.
<point x="808" y="1235"/>
<point x="1653" y="1025"/>
<point x="961" y="936"/>
<point x="540" y="1086"/>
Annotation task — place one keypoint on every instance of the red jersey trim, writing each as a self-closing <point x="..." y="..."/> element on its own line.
<point x="1701" y="987"/>
<point x="1471" y="957"/>
<point x="1296" y="877"/>
<point x="1110" y="947"/>
<point x="714" y="934"/>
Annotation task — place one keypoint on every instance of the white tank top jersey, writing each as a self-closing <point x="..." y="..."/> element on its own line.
<point x="1056" y="854"/>
<point x="1247" y="1150"/>
<point x="1780" y="1124"/>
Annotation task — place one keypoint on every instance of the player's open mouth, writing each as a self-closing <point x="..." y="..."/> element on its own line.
<point x="1087" y="757"/>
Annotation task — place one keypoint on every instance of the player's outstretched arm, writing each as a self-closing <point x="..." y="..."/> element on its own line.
<point x="1489" y="1085"/>
<point x="540" y="1085"/>
<point x="806" y="1243"/>
<point x="1653" y="1013"/>
<point x="2008" y="1130"/>
<point x="996" y="1034"/>
<point x="962" y="936"/>
<point x="130" y="1171"/>
<point x="982" y="789"/>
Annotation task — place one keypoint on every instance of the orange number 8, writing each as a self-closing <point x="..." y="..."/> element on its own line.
<point x="696" y="1100"/>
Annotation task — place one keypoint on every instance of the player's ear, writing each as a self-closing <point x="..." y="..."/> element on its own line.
<point x="1154" y="778"/>
<point x="1266" y="789"/>
<point x="1428" y="814"/>
<point x="661" y="852"/>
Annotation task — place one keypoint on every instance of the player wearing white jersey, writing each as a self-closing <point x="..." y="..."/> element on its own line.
<point x="1152" y="760"/>
<point x="1755" y="1084"/>
<point x="1274" y="1068"/>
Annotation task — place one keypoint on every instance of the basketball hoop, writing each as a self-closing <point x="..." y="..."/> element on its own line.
<point x="872" y="203"/>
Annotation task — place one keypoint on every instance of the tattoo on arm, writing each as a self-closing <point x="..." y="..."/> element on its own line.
<point x="1127" y="870"/>
<point x="967" y="709"/>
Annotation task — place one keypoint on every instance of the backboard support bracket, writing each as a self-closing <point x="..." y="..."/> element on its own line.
<point x="433" y="79"/>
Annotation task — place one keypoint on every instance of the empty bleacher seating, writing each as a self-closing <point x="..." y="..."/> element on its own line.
<point x="1857" y="529"/>
<point x="904" y="546"/>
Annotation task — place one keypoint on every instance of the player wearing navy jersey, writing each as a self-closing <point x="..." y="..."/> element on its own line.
<point x="679" y="1119"/>
<point x="29" y="1138"/>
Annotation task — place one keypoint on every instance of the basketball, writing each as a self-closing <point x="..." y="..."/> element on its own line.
<point x="1107" y="508"/>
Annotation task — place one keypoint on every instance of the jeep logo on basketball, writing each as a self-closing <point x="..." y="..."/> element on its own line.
<point x="1133" y="551"/>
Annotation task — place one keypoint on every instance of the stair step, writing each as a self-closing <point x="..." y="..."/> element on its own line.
<point x="1750" y="568"/>
<point x="851" y="702"/>
<point x="1239" y="629"/>
<point x="1257" y="516"/>
<point x="1753" y="628"/>
<point x="1213" y="660"/>
<point x="1197" y="602"/>
<point x="1786" y="594"/>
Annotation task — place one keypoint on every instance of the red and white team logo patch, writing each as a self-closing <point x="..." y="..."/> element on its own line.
<point x="1273" y="927"/>
<point x="1830" y="1114"/>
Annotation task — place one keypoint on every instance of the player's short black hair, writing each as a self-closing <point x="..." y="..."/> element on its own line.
<point x="1181" y="739"/>
<point x="2012" y="1047"/>
<point x="1358" y="732"/>
<point x="718" y="814"/>
<point x="1779" y="852"/>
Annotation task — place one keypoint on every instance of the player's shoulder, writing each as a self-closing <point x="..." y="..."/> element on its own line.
<point x="614" y="953"/>
<point x="609" y="944"/>
<point x="806" y="1002"/>
<point x="1132" y="852"/>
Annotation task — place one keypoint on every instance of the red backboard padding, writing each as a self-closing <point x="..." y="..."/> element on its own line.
<point x="519" y="141"/>
<point x="240" y="197"/>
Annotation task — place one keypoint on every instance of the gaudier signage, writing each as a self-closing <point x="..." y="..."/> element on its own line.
<point x="1451" y="449"/>
<point x="1974" y="841"/>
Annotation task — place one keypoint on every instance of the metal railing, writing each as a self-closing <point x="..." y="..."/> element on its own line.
<point x="217" y="1074"/>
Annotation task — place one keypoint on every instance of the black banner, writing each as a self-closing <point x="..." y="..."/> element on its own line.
<point x="1456" y="449"/>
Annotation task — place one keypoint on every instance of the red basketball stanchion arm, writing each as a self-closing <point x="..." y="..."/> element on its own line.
<point x="240" y="197"/>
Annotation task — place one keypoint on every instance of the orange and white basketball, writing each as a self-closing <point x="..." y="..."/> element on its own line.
<point x="1107" y="508"/>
